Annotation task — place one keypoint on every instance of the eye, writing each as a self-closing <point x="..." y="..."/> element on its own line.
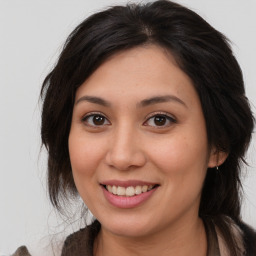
<point x="95" y="120"/>
<point x="160" y="120"/>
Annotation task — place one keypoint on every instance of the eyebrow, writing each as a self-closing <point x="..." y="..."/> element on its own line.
<point x="143" y="103"/>
<point x="95" y="100"/>
<point x="161" y="99"/>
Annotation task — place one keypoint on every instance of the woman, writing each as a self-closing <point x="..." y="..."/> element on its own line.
<point x="146" y="119"/>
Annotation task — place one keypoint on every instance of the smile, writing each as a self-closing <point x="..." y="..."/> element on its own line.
<point x="128" y="191"/>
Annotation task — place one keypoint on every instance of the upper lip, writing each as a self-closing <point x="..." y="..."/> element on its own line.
<point x="127" y="183"/>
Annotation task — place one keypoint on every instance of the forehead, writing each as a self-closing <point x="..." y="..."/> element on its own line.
<point x="141" y="71"/>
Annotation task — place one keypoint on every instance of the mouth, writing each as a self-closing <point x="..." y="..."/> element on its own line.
<point x="129" y="191"/>
<point x="128" y="194"/>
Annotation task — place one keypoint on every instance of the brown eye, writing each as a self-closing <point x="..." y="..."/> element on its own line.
<point x="160" y="121"/>
<point x="95" y="120"/>
<point x="98" y="120"/>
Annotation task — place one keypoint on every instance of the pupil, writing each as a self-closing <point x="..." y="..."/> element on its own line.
<point x="98" y="120"/>
<point x="160" y="120"/>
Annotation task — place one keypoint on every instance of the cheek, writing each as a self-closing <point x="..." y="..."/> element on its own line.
<point x="183" y="165"/>
<point x="85" y="154"/>
<point x="178" y="152"/>
<point x="182" y="160"/>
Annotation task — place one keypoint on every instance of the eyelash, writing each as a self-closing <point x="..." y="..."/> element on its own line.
<point x="164" y="115"/>
<point x="94" y="114"/>
<point x="167" y="118"/>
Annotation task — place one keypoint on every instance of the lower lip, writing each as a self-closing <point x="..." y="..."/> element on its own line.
<point x="127" y="201"/>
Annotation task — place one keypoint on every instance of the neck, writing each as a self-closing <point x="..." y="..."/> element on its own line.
<point x="189" y="239"/>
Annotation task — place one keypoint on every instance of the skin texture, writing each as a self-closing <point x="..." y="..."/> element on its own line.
<point x="129" y="145"/>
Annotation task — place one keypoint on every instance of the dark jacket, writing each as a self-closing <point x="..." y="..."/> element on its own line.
<point x="81" y="242"/>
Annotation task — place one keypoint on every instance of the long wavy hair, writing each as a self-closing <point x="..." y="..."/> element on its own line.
<point x="201" y="51"/>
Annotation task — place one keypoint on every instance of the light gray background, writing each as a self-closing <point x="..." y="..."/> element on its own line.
<point x="31" y="36"/>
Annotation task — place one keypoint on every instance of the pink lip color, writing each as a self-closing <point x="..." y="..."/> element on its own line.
<point x="127" y="201"/>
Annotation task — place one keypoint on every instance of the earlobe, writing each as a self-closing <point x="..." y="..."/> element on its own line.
<point x="217" y="158"/>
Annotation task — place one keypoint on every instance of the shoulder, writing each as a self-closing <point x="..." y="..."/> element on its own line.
<point x="21" y="251"/>
<point x="249" y="235"/>
<point x="81" y="242"/>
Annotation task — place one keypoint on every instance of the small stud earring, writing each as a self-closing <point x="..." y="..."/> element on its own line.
<point x="217" y="167"/>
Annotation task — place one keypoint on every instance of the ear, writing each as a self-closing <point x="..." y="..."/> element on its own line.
<point x="217" y="158"/>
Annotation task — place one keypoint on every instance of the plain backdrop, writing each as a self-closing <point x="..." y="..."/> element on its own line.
<point x="31" y="36"/>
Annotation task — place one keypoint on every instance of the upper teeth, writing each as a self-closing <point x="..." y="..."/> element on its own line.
<point x="129" y="191"/>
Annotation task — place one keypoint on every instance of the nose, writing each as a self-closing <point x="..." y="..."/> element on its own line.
<point x="125" y="150"/>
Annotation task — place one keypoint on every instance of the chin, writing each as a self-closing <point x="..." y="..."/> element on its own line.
<point x="128" y="227"/>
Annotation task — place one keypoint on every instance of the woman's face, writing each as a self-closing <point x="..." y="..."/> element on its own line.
<point x="138" y="144"/>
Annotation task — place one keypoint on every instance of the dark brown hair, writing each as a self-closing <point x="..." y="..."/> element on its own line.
<point x="202" y="52"/>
